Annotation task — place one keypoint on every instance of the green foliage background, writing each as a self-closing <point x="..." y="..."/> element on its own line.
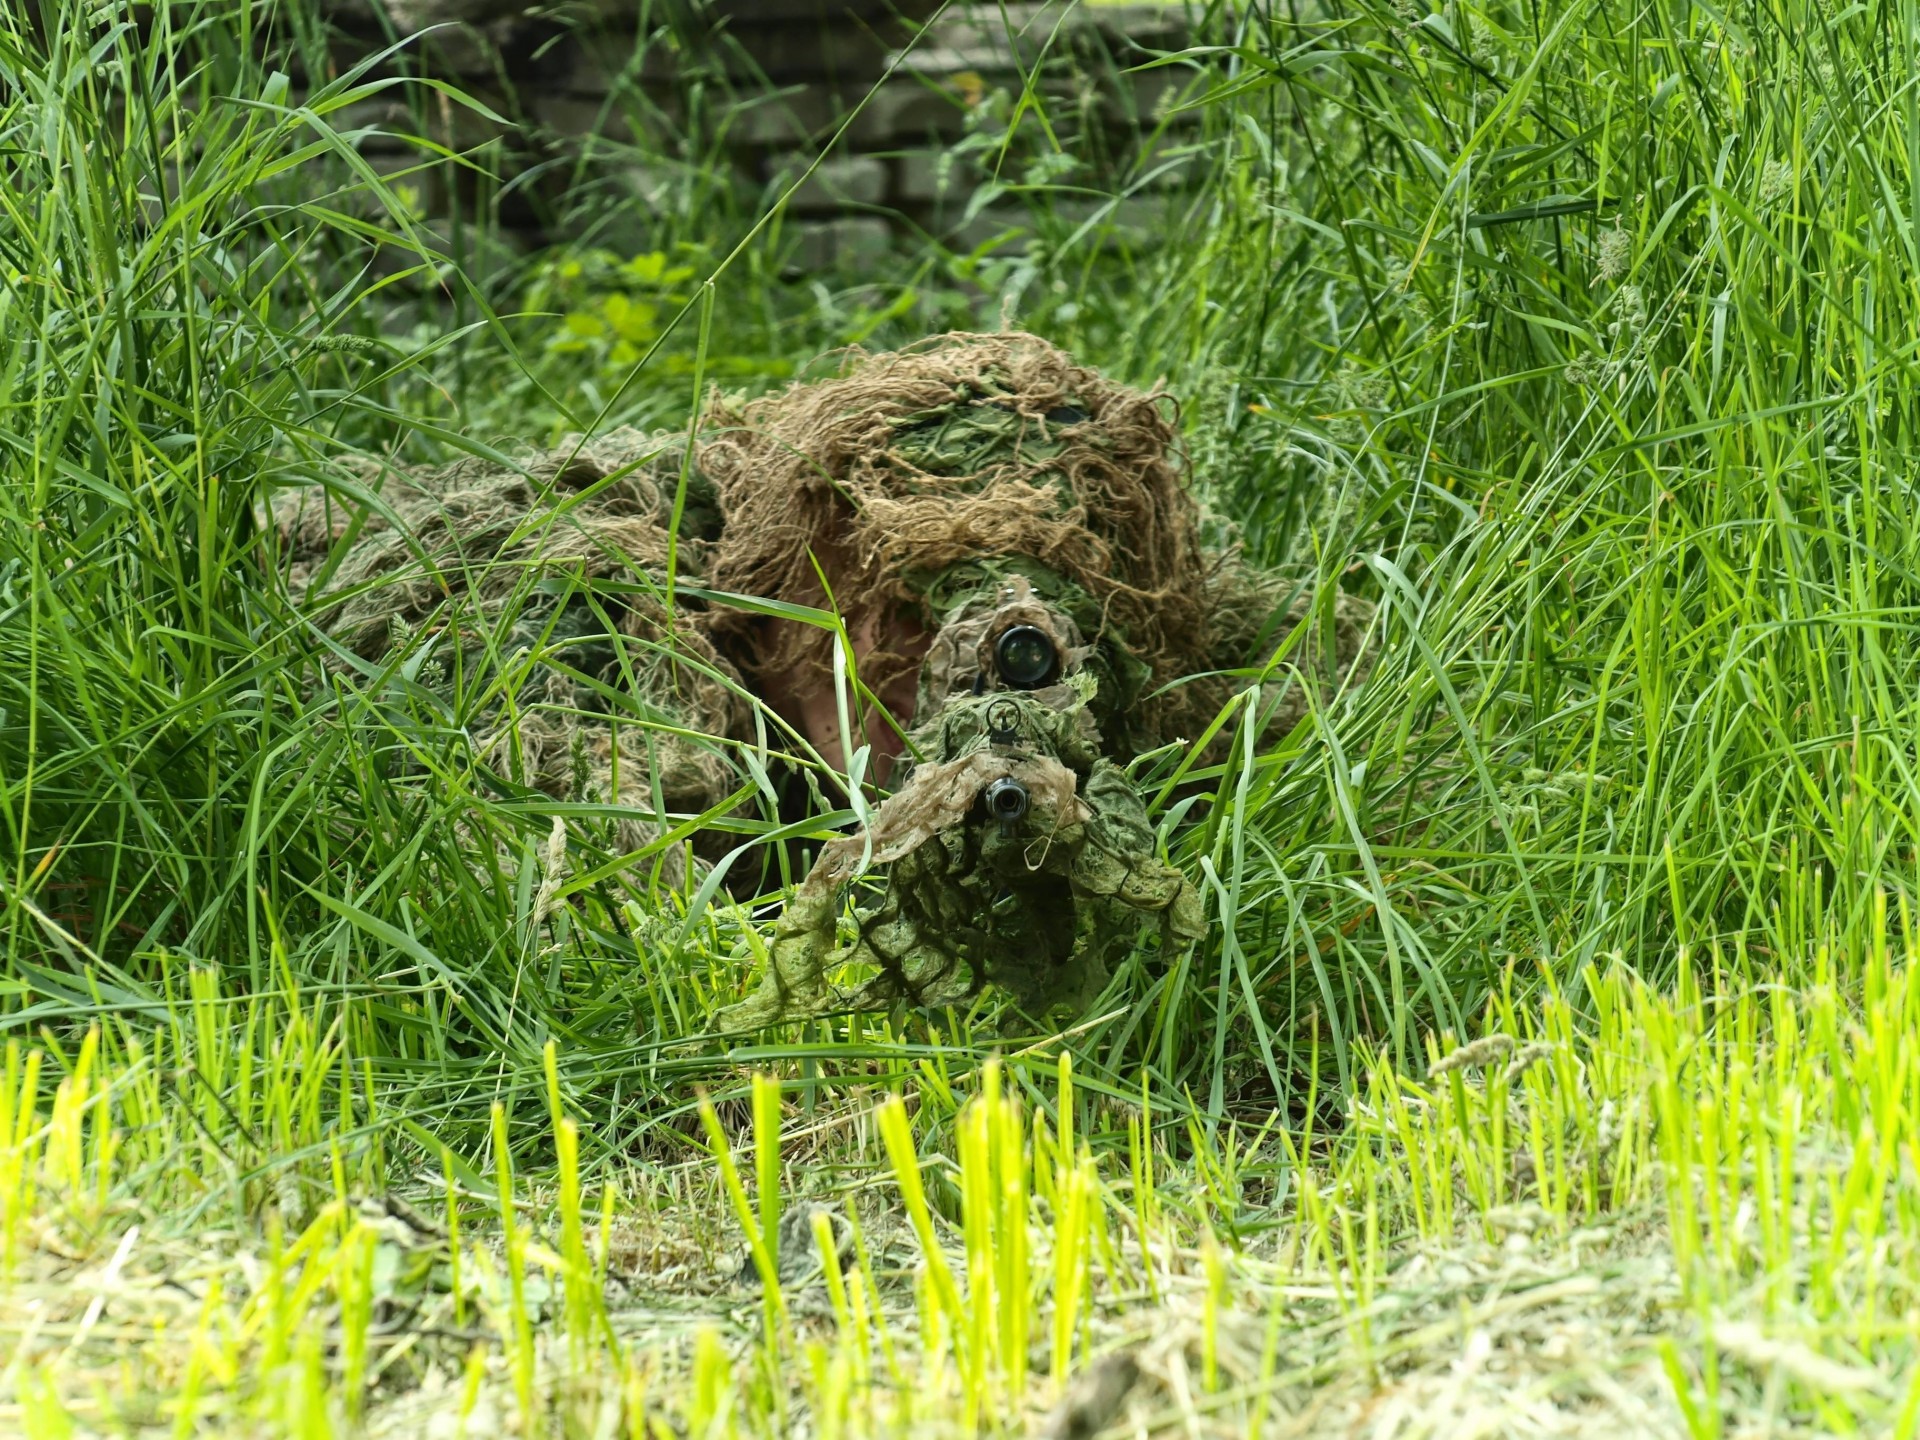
<point x="1581" y="341"/>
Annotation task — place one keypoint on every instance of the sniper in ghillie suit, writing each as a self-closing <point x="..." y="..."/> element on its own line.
<point x="959" y="588"/>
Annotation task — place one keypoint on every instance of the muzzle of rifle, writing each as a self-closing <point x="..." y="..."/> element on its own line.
<point x="1007" y="801"/>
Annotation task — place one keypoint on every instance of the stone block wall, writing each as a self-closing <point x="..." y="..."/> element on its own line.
<point x="645" y="98"/>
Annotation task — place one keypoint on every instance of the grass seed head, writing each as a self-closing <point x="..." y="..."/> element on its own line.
<point x="1528" y="1057"/>
<point x="1776" y="182"/>
<point x="1487" y="1050"/>
<point x="1616" y="254"/>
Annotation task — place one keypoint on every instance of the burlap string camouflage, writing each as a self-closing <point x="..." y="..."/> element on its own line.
<point x="1020" y="856"/>
<point x="971" y="499"/>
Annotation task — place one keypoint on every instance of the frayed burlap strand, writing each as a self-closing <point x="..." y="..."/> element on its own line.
<point x="596" y="509"/>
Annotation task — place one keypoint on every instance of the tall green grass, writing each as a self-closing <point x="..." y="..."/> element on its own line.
<point x="184" y="321"/>
<point x="1580" y="342"/>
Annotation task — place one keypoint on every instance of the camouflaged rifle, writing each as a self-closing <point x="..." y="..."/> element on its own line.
<point x="1020" y="854"/>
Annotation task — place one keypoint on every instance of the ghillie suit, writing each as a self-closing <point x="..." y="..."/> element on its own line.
<point x="920" y="483"/>
<point x="1003" y="532"/>
<point x="564" y="558"/>
<point x="1020" y="856"/>
<point x="1017" y="533"/>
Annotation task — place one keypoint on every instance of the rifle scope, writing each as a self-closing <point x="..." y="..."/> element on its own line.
<point x="1025" y="658"/>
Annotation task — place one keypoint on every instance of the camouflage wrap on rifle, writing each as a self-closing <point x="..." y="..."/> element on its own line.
<point x="1038" y="897"/>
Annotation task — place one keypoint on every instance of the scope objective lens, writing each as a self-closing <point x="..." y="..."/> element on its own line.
<point x="1025" y="658"/>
